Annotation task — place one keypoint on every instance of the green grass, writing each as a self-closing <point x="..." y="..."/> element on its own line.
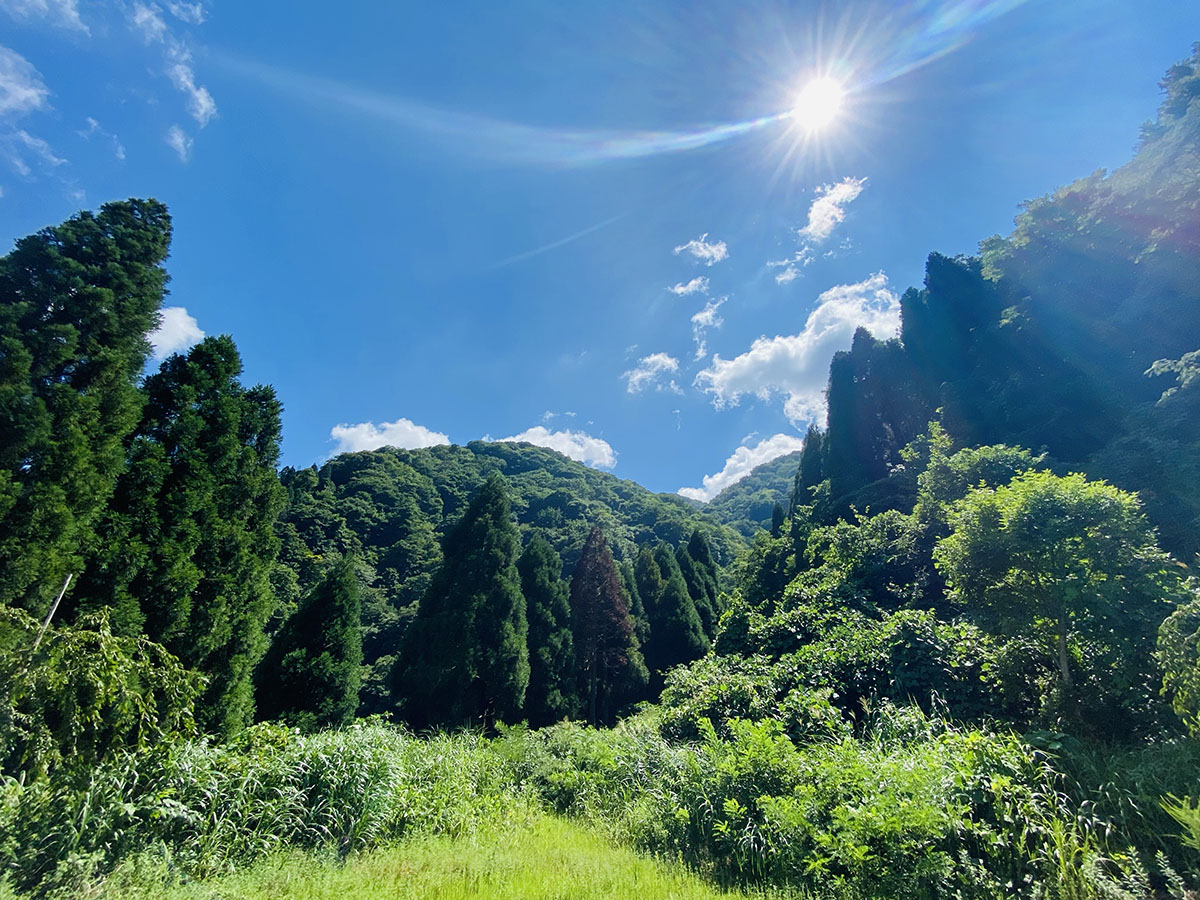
<point x="527" y="856"/>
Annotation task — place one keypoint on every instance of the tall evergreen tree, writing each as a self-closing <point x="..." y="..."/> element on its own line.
<point x="466" y="660"/>
<point x="311" y="675"/>
<point x="551" y="695"/>
<point x="808" y="475"/>
<point x="777" y="518"/>
<point x="76" y="302"/>
<point x="188" y="545"/>
<point x="633" y="599"/>
<point x="700" y="574"/>
<point x="606" y="649"/>
<point x="676" y="633"/>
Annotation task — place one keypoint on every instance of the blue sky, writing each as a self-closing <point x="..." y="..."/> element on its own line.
<point x="598" y="227"/>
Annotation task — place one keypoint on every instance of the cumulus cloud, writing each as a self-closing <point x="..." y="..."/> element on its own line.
<point x="403" y="433"/>
<point x="21" y="87"/>
<point x="63" y="13"/>
<point x="178" y="141"/>
<point x="702" y="321"/>
<point x="796" y="366"/>
<point x="740" y="463"/>
<point x="708" y="253"/>
<point x="578" y="445"/>
<point x="177" y="330"/>
<point x="825" y="214"/>
<point x="648" y="370"/>
<point x="699" y="284"/>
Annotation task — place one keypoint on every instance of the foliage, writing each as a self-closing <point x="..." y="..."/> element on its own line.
<point x="76" y="302"/>
<point x="608" y="658"/>
<point x="311" y="675"/>
<point x="1179" y="656"/>
<point x="552" y="691"/>
<point x="187" y="543"/>
<point x="676" y="631"/>
<point x="1075" y="564"/>
<point x="85" y="694"/>
<point x="746" y="505"/>
<point x="466" y="659"/>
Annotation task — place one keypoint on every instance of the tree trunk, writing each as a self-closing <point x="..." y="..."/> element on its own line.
<point x="1064" y="658"/>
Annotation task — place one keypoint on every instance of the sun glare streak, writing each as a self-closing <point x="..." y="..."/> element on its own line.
<point x="852" y="59"/>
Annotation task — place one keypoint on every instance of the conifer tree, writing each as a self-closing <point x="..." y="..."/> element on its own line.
<point x="676" y="633"/>
<point x="809" y="474"/>
<point x="700" y="575"/>
<point x="466" y="660"/>
<point x="633" y="599"/>
<point x="777" y="518"/>
<point x="311" y="675"/>
<point x="187" y="546"/>
<point x="607" y="655"/>
<point x="551" y="695"/>
<point x="76" y="302"/>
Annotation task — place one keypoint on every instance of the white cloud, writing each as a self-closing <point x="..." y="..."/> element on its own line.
<point x="701" y="249"/>
<point x="176" y="331"/>
<point x="741" y="462"/>
<point x="200" y="102"/>
<point x="179" y="142"/>
<point x="699" y="284"/>
<point x="64" y="13"/>
<point x="647" y="371"/>
<point x="148" y="21"/>
<point x="402" y="433"/>
<point x="192" y="13"/>
<point x="95" y="128"/>
<point x="578" y="445"/>
<point x="797" y="365"/>
<point x="702" y="321"/>
<point x="21" y="87"/>
<point x="825" y="213"/>
<point x="828" y="210"/>
<point x="20" y="146"/>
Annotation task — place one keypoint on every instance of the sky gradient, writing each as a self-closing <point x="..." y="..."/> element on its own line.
<point x="603" y="229"/>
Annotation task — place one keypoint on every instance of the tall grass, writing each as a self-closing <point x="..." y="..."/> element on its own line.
<point x="915" y="808"/>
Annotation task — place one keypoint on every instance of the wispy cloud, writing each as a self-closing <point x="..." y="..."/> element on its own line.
<point x="825" y="214"/>
<point x="178" y="141"/>
<point x="698" y="285"/>
<point x="200" y="102"/>
<point x="741" y="463"/>
<point x="648" y="371"/>
<point x="578" y="445"/>
<point x="148" y="22"/>
<point x="21" y="87"/>
<point x="704" y="320"/>
<point x="709" y="253"/>
<point x="403" y="433"/>
<point x="95" y="129"/>
<point x="61" y="13"/>
<point x="177" y="330"/>
<point x="797" y="365"/>
<point x="554" y="245"/>
<point x="192" y="13"/>
<point x="23" y="151"/>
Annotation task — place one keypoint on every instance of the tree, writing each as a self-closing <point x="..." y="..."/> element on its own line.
<point x="607" y="655"/>
<point x="808" y="474"/>
<point x="551" y="694"/>
<point x="187" y="547"/>
<point x="466" y="660"/>
<point x="676" y="633"/>
<point x="777" y="519"/>
<point x="1068" y="562"/>
<point x="1179" y="655"/>
<point x="700" y="575"/>
<point x="76" y="303"/>
<point x="311" y="675"/>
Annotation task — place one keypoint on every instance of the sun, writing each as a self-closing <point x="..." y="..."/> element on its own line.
<point x="818" y="103"/>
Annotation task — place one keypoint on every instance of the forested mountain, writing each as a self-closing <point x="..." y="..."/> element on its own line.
<point x="747" y="505"/>
<point x="1062" y="337"/>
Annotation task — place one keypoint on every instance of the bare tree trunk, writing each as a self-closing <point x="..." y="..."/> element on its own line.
<point x="53" y="610"/>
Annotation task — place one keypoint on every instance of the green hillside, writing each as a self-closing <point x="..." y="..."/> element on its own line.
<point x="746" y="505"/>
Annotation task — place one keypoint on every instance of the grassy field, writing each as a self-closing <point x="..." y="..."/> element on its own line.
<point x="530" y="856"/>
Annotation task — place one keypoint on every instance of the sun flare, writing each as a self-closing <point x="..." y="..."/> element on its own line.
<point x="818" y="103"/>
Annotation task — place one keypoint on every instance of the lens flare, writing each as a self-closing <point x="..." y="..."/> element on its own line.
<point x="818" y="104"/>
